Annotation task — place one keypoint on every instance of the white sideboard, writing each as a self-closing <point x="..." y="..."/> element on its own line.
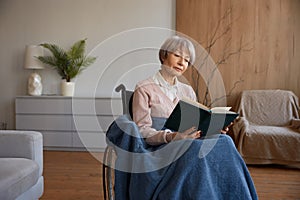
<point x="68" y="123"/>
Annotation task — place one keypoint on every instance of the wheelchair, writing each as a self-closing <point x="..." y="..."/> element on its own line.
<point x="234" y="168"/>
<point x="109" y="155"/>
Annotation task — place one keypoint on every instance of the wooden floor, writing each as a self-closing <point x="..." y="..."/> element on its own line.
<point x="78" y="175"/>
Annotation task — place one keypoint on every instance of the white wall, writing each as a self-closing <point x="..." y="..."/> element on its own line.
<point x="116" y="32"/>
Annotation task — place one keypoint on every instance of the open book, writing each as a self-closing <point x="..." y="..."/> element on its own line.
<point x="188" y="113"/>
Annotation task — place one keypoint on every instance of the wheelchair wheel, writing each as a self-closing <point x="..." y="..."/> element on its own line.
<point x="108" y="178"/>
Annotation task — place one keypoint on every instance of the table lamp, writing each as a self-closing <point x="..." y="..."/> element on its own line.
<point x="34" y="85"/>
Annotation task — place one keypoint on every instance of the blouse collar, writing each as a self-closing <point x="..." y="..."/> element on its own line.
<point x="159" y="79"/>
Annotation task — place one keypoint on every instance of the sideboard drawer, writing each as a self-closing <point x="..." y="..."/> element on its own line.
<point x="89" y="139"/>
<point x="43" y="106"/>
<point x="92" y="123"/>
<point x="44" y="122"/>
<point x="96" y="106"/>
<point x="50" y="139"/>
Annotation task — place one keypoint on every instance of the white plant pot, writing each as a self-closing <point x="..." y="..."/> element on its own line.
<point x="67" y="88"/>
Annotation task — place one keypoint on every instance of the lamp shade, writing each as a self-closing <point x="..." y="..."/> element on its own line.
<point x="31" y="52"/>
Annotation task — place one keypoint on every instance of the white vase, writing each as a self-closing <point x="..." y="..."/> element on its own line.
<point x="67" y="88"/>
<point x="35" y="86"/>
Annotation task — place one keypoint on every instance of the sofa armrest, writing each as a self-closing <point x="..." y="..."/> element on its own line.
<point x="22" y="144"/>
<point x="240" y="126"/>
<point x="296" y="124"/>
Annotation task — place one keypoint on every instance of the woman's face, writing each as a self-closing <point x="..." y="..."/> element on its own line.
<point x="176" y="63"/>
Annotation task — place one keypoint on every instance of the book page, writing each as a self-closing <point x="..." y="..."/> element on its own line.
<point x="221" y="110"/>
<point x="195" y="103"/>
<point x="214" y="109"/>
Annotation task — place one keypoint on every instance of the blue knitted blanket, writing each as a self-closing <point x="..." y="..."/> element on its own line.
<point x="188" y="169"/>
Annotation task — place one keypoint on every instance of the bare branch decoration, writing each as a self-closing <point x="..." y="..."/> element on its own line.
<point x="226" y="54"/>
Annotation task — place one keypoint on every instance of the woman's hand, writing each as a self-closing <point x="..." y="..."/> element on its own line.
<point x="226" y="129"/>
<point x="191" y="133"/>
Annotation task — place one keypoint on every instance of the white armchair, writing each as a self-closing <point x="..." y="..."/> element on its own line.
<point x="21" y="165"/>
<point x="267" y="131"/>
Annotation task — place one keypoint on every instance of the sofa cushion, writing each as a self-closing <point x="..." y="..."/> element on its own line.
<point x="17" y="175"/>
<point x="271" y="143"/>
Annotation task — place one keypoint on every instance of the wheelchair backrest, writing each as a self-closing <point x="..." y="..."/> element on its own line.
<point x="127" y="96"/>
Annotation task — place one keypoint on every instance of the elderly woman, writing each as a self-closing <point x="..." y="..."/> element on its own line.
<point x="158" y="95"/>
<point x="187" y="168"/>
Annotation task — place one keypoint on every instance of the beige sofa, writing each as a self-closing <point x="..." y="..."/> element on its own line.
<point x="268" y="130"/>
<point x="21" y="165"/>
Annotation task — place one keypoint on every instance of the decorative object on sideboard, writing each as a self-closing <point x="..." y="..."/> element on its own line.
<point x="34" y="85"/>
<point x="67" y="88"/>
<point x="68" y="64"/>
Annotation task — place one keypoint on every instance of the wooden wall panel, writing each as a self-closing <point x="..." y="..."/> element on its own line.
<point x="268" y="30"/>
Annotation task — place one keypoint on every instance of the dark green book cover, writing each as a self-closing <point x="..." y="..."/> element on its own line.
<point x="186" y="115"/>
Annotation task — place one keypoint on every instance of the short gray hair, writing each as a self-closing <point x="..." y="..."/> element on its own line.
<point x="175" y="43"/>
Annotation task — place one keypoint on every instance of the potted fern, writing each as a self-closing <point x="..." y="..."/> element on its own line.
<point x="68" y="64"/>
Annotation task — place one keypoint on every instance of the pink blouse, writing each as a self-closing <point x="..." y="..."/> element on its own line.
<point x="150" y="101"/>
